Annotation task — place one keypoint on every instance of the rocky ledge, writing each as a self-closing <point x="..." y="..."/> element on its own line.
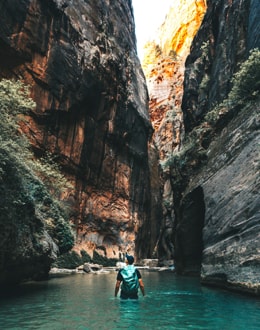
<point x="90" y="268"/>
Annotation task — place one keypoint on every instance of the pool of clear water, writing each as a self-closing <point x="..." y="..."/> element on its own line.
<point x="86" y="301"/>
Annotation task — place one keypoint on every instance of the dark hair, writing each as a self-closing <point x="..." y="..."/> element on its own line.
<point x="130" y="259"/>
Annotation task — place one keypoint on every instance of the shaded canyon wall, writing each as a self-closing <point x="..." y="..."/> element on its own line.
<point x="210" y="176"/>
<point x="229" y="178"/>
<point x="207" y="148"/>
<point x="79" y="57"/>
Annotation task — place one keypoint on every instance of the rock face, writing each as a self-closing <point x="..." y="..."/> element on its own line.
<point x="164" y="64"/>
<point x="80" y="60"/>
<point x="33" y="229"/>
<point x="209" y="180"/>
<point x="231" y="185"/>
<point x="224" y="235"/>
<point x="229" y="31"/>
<point x="92" y="110"/>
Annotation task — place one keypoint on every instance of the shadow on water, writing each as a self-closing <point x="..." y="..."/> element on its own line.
<point x="22" y="290"/>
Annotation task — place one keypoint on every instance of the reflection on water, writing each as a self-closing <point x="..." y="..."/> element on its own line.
<point x="85" y="301"/>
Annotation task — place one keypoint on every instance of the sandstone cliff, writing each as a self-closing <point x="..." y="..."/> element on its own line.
<point x="205" y="140"/>
<point x="79" y="57"/>
<point x="202" y="205"/>
<point x="164" y="65"/>
<point x="229" y="181"/>
<point x="215" y="177"/>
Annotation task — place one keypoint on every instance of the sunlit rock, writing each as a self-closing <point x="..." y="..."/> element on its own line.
<point x="79" y="57"/>
<point x="164" y="65"/>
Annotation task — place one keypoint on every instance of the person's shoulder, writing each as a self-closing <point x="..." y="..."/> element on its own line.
<point x="120" y="271"/>
<point x="138" y="273"/>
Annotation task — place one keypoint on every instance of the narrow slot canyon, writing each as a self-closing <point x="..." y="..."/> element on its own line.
<point x="105" y="151"/>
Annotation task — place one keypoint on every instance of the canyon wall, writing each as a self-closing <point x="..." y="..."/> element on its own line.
<point x="200" y="206"/>
<point x="206" y="141"/>
<point x="217" y="225"/>
<point x="79" y="58"/>
<point x="164" y="66"/>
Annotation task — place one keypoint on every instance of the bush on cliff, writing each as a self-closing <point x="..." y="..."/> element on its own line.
<point x="245" y="89"/>
<point x="246" y="82"/>
<point x="27" y="208"/>
<point x="72" y="260"/>
<point x="103" y="260"/>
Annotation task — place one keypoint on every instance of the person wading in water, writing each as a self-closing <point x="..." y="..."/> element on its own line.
<point x="131" y="280"/>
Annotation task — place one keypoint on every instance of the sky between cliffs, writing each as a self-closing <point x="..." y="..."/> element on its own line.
<point x="149" y="15"/>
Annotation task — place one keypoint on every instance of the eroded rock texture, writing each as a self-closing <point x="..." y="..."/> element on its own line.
<point x="229" y="31"/>
<point x="80" y="59"/>
<point x="231" y="235"/>
<point x="164" y="64"/>
<point x="28" y="244"/>
<point x="228" y="181"/>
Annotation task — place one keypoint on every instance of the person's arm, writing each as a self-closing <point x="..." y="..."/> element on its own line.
<point x="141" y="283"/>
<point x="117" y="287"/>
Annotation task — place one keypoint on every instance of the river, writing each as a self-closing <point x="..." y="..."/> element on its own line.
<point x="86" y="301"/>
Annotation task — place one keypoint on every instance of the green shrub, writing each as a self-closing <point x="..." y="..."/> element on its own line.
<point x="204" y="82"/>
<point x="62" y="233"/>
<point x="14" y="102"/>
<point x="69" y="260"/>
<point x="245" y="89"/>
<point x="104" y="261"/>
<point x="72" y="259"/>
<point x="246" y="82"/>
<point x="85" y="256"/>
<point x="50" y="173"/>
<point x="205" y="49"/>
<point x="14" y="98"/>
<point x="20" y="174"/>
<point x="173" y="54"/>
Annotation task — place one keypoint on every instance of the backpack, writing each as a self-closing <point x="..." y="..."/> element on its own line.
<point x="130" y="279"/>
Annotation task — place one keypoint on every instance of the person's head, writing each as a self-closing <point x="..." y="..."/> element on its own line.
<point x="129" y="259"/>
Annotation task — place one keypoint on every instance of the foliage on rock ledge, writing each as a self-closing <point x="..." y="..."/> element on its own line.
<point x="26" y="204"/>
<point x="245" y="89"/>
<point x="193" y="154"/>
<point x="72" y="260"/>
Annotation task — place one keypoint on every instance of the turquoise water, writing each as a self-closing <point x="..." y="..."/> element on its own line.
<point x="85" y="301"/>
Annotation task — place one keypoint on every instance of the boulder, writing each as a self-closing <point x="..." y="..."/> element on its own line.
<point x="90" y="268"/>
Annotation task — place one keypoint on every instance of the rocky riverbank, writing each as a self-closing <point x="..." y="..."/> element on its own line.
<point x="91" y="268"/>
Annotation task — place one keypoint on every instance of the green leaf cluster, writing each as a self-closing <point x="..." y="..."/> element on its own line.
<point x="50" y="173"/>
<point x="246" y="82"/>
<point x="244" y="92"/>
<point x="14" y="98"/>
<point x="14" y="103"/>
<point x="69" y="260"/>
<point x="27" y="202"/>
<point x="72" y="259"/>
